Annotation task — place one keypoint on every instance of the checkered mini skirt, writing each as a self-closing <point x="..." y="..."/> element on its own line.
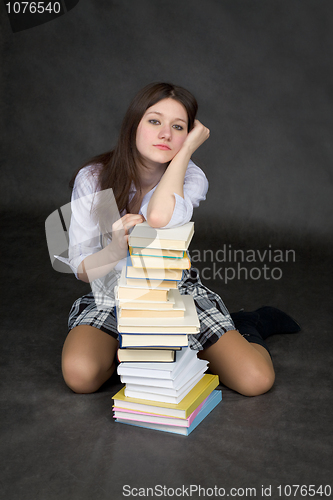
<point x="213" y="315"/>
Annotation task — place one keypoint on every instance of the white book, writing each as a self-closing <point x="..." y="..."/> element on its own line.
<point x="155" y="370"/>
<point x="154" y="376"/>
<point x="162" y="398"/>
<point x="186" y="375"/>
<point x="168" y="391"/>
<point x="176" y="238"/>
<point x="149" y="417"/>
<point x="189" y="323"/>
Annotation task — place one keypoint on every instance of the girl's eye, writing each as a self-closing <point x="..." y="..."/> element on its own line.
<point x="154" y="121"/>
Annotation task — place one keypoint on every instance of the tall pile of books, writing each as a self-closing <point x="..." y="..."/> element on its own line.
<point x="166" y="385"/>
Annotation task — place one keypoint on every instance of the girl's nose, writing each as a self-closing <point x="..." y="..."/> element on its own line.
<point x="165" y="132"/>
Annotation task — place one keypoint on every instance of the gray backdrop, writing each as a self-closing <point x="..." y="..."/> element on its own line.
<point x="261" y="71"/>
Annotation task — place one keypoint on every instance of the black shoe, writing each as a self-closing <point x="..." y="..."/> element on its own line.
<point x="267" y="320"/>
<point x="272" y="320"/>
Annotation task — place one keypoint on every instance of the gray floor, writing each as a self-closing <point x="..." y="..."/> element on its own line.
<point x="56" y="444"/>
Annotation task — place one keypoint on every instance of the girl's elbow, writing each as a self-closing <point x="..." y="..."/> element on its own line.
<point x="81" y="273"/>
<point x="157" y="220"/>
<point x="83" y="277"/>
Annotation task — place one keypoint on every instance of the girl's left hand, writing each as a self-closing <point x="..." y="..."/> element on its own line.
<point x="197" y="136"/>
<point x="120" y="231"/>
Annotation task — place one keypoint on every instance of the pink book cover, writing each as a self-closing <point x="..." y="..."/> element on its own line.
<point x="160" y="419"/>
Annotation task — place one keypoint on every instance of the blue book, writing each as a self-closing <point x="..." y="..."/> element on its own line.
<point x="152" y="340"/>
<point x="212" y="401"/>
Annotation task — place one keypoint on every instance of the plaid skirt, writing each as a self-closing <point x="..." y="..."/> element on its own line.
<point x="213" y="315"/>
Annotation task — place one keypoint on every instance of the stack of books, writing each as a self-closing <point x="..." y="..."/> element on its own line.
<point x="181" y="418"/>
<point x="166" y="385"/>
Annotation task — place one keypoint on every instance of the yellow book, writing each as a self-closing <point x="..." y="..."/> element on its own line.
<point x="181" y="410"/>
<point x="144" y="261"/>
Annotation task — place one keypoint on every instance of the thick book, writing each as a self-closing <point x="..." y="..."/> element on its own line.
<point x="138" y="356"/>
<point x="155" y="419"/>
<point x="148" y="283"/>
<point x="141" y="294"/>
<point x="176" y="429"/>
<point x="176" y="238"/>
<point x="166" y="395"/>
<point x="156" y="393"/>
<point x="154" y="309"/>
<point x="187" y="324"/>
<point x="146" y="304"/>
<point x="124" y="291"/>
<point x="157" y="252"/>
<point x="159" y="419"/>
<point x="142" y="285"/>
<point x="190" y="402"/>
<point x="186" y="372"/>
<point x="165" y="387"/>
<point x="144" y="261"/>
<point x="170" y="371"/>
<point x="150" y="313"/>
<point x="151" y="340"/>
<point x="153" y="274"/>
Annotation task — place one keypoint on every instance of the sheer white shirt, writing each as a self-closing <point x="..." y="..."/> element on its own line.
<point x="84" y="233"/>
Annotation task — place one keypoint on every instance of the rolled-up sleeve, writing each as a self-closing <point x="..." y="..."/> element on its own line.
<point x="84" y="233"/>
<point x="195" y="190"/>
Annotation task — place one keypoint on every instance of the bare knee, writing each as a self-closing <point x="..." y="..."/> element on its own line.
<point x="82" y="375"/>
<point x="257" y="381"/>
<point x="88" y="358"/>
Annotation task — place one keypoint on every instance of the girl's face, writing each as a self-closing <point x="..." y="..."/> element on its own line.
<point x="162" y="132"/>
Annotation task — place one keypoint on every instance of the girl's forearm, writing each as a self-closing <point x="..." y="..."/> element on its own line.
<point x="162" y="202"/>
<point x="97" y="265"/>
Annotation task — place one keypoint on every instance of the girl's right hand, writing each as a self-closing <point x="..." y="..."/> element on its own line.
<point x="120" y="231"/>
<point x="197" y="136"/>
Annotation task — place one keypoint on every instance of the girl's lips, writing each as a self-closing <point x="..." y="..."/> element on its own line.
<point x="162" y="146"/>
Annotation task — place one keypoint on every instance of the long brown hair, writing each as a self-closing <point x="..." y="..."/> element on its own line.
<point x="118" y="168"/>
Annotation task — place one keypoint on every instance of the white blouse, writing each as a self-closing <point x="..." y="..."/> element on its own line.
<point x="84" y="233"/>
